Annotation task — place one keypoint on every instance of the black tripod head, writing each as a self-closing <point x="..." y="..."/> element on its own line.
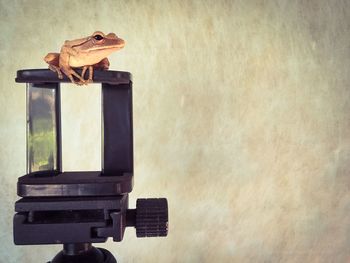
<point x="77" y="209"/>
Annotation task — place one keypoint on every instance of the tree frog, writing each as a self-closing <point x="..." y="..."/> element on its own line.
<point x="86" y="53"/>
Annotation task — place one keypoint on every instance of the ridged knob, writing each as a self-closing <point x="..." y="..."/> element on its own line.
<point x="151" y="217"/>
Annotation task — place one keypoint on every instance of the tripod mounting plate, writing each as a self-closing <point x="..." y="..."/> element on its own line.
<point x="61" y="220"/>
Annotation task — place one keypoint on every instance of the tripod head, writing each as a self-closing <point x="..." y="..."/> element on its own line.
<point x="77" y="209"/>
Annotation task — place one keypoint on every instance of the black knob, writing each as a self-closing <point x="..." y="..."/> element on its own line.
<point x="151" y="217"/>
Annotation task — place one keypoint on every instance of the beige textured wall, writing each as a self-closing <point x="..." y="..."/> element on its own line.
<point x="241" y="118"/>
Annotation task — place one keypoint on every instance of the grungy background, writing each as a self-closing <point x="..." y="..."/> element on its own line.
<point x="241" y="119"/>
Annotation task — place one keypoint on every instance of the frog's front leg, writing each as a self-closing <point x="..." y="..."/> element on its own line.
<point x="70" y="73"/>
<point x="91" y="73"/>
<point x="89" y="80"/>
<point x="66" y="52"/>
<point x="83" y="71"/>
<point x="102" y="65"/>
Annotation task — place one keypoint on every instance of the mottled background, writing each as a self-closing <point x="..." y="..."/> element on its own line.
<point x="241" y="119"/>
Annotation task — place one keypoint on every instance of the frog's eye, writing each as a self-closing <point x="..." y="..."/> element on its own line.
<point x="98" y="37"/>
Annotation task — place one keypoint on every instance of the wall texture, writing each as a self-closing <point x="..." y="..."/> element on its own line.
<point x="241" y="118"/>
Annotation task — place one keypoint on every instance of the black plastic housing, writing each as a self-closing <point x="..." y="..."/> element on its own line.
<point x="81" y="207"/>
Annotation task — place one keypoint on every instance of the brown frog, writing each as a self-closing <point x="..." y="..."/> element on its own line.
<point x="86" y="53"/>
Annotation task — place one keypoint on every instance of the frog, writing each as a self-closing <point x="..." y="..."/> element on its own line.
<point x="87" y="53"/>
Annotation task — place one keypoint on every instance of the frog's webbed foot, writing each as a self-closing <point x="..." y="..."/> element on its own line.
<point x="79" y="83"/>
<point x="57" y="70"/>
<point x="70" y="73"/>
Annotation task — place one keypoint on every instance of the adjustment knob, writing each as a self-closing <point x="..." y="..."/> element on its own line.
<point x="151" y="217"/>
